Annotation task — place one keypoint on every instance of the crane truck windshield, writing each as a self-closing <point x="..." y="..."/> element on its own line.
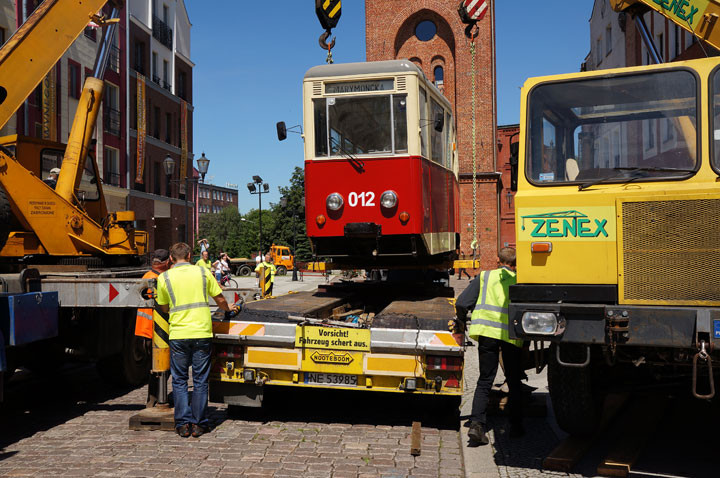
<point x="635" y="127"/>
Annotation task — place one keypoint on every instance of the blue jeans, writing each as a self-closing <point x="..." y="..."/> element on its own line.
<point x="183" y="353"/>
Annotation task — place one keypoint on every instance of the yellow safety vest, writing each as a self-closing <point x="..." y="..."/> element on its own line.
<point x="186" y="288"/>
<point x="490" y="316"/>
<point x="267" y="265"/>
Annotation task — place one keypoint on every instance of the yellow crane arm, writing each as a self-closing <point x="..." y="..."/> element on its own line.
<point x="696" y="16"/>
<point x="37" y="45"/>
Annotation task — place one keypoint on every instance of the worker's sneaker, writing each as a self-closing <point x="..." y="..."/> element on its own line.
<point x="183" y="430"/>
<point x="199" y="430"/>
<point x="477" y="433"/>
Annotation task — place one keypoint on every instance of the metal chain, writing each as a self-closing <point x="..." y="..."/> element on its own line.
<point x="474" y="147"/>
<point x="329" y="59"/>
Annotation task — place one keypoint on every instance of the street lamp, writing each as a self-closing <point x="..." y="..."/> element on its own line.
<point x="259" y="187"/>
<point x="169" y="166"/>
<point x="295" y="212"/>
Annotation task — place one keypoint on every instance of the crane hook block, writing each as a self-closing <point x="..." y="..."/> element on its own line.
<point x="328" y="12"/>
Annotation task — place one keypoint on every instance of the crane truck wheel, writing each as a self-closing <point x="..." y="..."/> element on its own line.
<point x="5" y="217"/>
<point x="244" y="271"/>
<point x="130" y="367"/>
<point x="576" y="397"/>
<point x="281" y="270"/>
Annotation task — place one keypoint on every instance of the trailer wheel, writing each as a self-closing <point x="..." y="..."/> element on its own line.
<point x="281" y="270"/>
<point x="5" y="217"/>
<point x="131" y="367"/>
<point x="244" y="271"/>
<point x="576" y="397"/>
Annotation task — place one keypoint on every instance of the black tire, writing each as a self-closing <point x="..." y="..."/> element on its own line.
<point x="244" y="271"/>
<point x="232" y="284"/>
<point x="576" y="397"/>
<point x="5" y="217"/>
<point x="131" y="367"/>
<point x="281" y="270"/>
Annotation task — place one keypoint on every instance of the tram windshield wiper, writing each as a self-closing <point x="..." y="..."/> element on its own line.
<point x="355" y="162"/>
<point x="631" y="170"/>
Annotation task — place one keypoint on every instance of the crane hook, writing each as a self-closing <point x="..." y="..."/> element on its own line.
<point x="323" y="41"/>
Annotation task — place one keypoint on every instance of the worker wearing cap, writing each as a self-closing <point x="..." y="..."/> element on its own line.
<point x="204" y="260"/>
<point x="487" y="297"/>
<point x="260" y="269"/>
<point x="183" y="292"/>
<point x="159" y="263"/>
<point x="52" y="178"/>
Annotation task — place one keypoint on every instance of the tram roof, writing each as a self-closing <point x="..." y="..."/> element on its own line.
<point x="363" y="68"/>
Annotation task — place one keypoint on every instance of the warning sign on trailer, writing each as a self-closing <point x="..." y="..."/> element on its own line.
<point x="332" y="338"/>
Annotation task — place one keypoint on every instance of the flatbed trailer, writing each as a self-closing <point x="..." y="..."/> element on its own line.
<point x="372" y="335"/>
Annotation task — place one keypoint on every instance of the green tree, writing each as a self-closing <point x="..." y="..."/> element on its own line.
<point x="223" y="231"/>
<point x="289" y="215"/>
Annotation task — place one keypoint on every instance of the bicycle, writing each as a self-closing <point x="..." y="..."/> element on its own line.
<point x="227" y="281"/>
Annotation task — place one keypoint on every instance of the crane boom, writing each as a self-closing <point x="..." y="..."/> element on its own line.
<point x="699" y="17"/>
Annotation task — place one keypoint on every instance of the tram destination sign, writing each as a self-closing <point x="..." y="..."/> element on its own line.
<point x="359" y="86"/>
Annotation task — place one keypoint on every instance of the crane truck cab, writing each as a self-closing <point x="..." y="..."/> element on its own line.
<point x="618" y="231"/>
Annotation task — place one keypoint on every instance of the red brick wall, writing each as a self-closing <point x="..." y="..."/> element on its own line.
<point x="390" y="34"/>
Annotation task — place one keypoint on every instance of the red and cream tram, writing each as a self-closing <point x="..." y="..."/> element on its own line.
<point x="381" y="169"/>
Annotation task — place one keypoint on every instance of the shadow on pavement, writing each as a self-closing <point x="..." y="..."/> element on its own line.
<point x="35" y="403"/>
<point x="351" y="407"/>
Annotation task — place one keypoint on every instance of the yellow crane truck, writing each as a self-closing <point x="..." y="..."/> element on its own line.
<point x="618" y="229"/>
<point x="68" y="268"/>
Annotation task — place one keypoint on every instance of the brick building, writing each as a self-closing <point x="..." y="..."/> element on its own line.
<point x="430" y="33"/>
<point x="213" y="199"/>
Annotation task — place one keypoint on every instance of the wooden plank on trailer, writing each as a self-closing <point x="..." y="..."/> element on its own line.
<point x="415" y="439"/>
<point x="571" y="450"/>
<point x="636" y="426"/>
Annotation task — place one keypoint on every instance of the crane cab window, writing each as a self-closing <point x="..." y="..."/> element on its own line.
<point x="614" y="129"/>
<point x="88" y="189"/>
<point x="715" y="127"/>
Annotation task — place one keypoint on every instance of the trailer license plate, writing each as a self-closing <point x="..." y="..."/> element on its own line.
<point x="331" y="379"/>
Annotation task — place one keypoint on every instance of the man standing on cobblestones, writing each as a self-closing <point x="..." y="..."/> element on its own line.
<point x="183" y="293"/>
<point x="487" y="297"/>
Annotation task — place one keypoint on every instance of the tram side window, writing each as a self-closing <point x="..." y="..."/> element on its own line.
<point x="321" y="140"/>
<point x="422" y="114"/>
<point x="400" y="126"/>
<point x="449" y="138"/>
<point x="438" y="145"/>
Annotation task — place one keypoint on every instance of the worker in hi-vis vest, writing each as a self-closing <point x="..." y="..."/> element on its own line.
<point x="144" y="321"/>
<point x="183" y="292"/>
<point x="268" y="269"/>
<point x="487" y="297"/>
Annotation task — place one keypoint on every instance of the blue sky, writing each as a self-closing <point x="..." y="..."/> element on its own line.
<point x="250" y="63"/>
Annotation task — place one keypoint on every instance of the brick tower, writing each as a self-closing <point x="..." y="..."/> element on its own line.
<point x="430" y="33"/>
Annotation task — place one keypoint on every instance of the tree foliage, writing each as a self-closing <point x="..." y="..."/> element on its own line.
<point x="238" y="235"/>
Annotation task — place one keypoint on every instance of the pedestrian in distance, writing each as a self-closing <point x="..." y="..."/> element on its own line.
<point x="222" y="266"/>
<point x="144" y="321"/>
<point x="462" y="270"/>
<point x="204" y="260"/>
<point x="183" y="292"/>
<point x="487" y="297"/>
<point x="260" y="269"/>
<point x="204" y="245"/>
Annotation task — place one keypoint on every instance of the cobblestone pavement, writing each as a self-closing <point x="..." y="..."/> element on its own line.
<point x="73" y="425"/>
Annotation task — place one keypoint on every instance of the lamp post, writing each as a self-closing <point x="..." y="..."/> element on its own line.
<point x="259" y="187"/>
<point x="169" y="165"/>
<point x="295" y="212"/>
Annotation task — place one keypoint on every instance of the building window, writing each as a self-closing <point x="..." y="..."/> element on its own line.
<point x="608" y="40"/>
<point x="90" y="33"/>
<point x="425" y="30"/>
<point x="155" y="72"/>
<point x="166" y="69"/>
<point x="180" y="87"/>
<point x="676" y="42"/>
<point x="73" y="80"/>
<point x="439" y="75"/>
<point x="111" y="168"/>
<point x="157" y="178"/>
<point x="2" y="36"/>
<point x="598" y="51"/>
<point x="140" y="57"/>
<point x="165" y="14"/>
<point x="156" y="123"/>
<point x="111" y="109"/>
<point x="661" y="45"/>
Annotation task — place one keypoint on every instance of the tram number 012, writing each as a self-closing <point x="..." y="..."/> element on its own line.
<point x="365" y="199"/>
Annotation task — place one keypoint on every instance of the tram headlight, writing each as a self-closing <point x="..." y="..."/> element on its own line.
<point x="388" y="199"/>
<point x="334" y="202"/>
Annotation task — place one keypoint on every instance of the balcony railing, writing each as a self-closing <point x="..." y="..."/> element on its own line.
<point x="166" y="85"/>
<point x="114" y="59"/>
<point x="139" y="68"/>
<point x="112" y="121"/>
<point x="162" y="32"/>
<point x="112" y="178"/>
<point x="156" y="79"/>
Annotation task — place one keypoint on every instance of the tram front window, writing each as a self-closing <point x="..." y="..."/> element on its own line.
<point x="631" y="127"/>
<point x="360" y="125"/>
